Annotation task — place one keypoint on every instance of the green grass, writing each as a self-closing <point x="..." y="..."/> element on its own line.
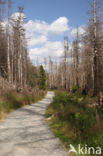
<point x="13" y="100"/>
<point x="74" y="121"/>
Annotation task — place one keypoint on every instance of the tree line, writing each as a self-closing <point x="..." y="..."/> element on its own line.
<point x="15" y="65"/>
<point x="82" y="63"/>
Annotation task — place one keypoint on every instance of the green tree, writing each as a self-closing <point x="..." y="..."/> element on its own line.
<point x="42" y="78"/>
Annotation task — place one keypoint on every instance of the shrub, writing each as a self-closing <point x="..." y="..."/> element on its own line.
<point x="73" y="108"/>
<point x="14" y="100"/>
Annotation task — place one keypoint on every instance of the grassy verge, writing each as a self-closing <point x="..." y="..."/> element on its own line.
<point x="74" y="122"/>
<point x="13" y="100"/>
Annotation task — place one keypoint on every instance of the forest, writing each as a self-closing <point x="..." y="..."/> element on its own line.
<point x="21" y="82"/>
<point x="75" y="115"/>
<point x="80" y="66"/>
<point x="76" y="78"/>
<point x="82" y="62"/>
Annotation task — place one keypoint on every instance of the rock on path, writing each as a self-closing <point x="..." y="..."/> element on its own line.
<point x="26" y="133"/>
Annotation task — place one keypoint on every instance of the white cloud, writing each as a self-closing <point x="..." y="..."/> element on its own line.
<point x="38" y="31"/>
<point x="52" y="49"/>
<point x="39" y="37"/>
<point x="37" y="40"/>
<point x="57" y="27"/>
<point x="36" y="26"/>
<point x="81" y="31"/>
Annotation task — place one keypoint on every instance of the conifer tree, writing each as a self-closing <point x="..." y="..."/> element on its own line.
<point x="42" y="78"/>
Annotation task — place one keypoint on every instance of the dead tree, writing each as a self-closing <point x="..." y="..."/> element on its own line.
<point x="95" y="52"/>
<point x="66" y="48"/>
<point x="51" y="73"/>
<point x="8" y="43"/>
<point x="20" y="51"/>
<point x="76" y="58"/>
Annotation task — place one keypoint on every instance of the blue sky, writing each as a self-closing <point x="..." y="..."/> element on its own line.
<point x="48" y="21"/>
<point x="49" y="10"/>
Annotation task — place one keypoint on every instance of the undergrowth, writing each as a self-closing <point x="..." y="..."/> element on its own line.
<point x="12" y="100"/>
<point x="74" y="122"/>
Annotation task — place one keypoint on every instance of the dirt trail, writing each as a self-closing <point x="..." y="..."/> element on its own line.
<point x="26" y="133"/>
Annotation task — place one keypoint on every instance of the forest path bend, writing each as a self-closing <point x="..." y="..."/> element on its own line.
<point x="26" y="133"/>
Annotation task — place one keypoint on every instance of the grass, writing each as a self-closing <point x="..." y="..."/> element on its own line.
<point x="13" y="100"/>
<point x="74" y="122"/>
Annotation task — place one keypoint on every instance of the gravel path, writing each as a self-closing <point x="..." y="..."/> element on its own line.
<point x="26" y="133"/>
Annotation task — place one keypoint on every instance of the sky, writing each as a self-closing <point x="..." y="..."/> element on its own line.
<point x="48" y="21"/>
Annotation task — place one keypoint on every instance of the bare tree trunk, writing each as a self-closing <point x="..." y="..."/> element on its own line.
<point x="95" y="52"/>
<point x="66" y="47"/>
<point x="21" y="71"/>
<point x="8" y="50"/>
<point x="77" y="59"/>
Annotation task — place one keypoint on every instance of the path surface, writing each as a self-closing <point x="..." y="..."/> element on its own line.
<point x="26" y="133"/>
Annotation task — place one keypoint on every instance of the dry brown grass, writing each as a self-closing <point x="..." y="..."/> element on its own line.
<point x="12" y="100"/>
<point x="3" y="115"/>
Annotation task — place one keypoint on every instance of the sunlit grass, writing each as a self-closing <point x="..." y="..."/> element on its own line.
<point x="13" y="100"/>
<point x="74" y="122"/>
